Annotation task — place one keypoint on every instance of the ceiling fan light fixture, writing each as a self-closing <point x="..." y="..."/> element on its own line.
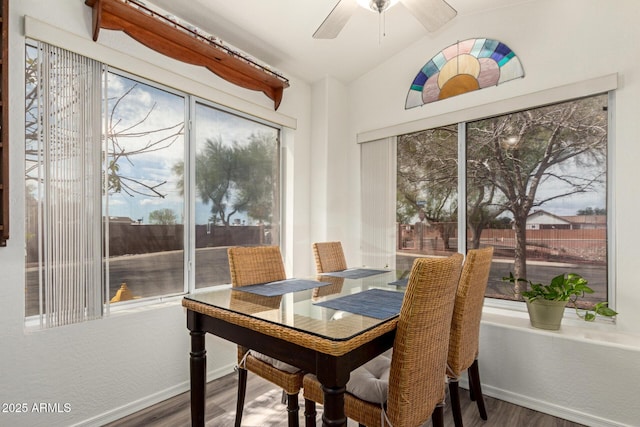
<point x="432" y="14"/>
<point x="377" y="5"/>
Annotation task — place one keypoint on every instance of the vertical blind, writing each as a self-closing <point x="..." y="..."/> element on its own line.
<point x="69" y="187"/>
<point x="378" y="183"/>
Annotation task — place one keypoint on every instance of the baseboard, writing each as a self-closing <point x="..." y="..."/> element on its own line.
<point x="545" y="407"/>
<point x="145" y="402"/>
<point x="487" y="390"/>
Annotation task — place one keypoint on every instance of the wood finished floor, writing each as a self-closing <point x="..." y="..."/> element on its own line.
<point x="221" y="398"/>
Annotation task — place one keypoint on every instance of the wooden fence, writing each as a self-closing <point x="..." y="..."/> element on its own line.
<point x="587" y="245"/>
<point x="132" y="239"/>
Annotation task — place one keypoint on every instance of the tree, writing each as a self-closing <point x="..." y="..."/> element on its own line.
<point x="592" y="211"/>
<point x="508" y="160"/>
<point x="117" y="151"/>
<point x="139" y="140"/>
<point x="163" y="217"/>
<point x="563" y="145"/>
<point x="481" y="196"/>
<point x="237" y="177"/>
<point x="428" y="175"/>
<point x="216" y="167"/>
<point x="258" y="179"/>
<point x="427" y="178"/>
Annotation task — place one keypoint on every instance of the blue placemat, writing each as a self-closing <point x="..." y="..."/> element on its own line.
<point x="376" y="303"/>
<point x="281" y="287"/>
<point x="356" y="273"/>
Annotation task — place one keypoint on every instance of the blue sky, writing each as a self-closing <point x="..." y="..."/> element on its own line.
<point x="156" y="166"/>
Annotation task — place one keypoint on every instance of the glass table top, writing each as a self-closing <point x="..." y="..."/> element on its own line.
<point x="338" y="308"/>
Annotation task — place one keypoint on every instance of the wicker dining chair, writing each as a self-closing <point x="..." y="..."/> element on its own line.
<point x="329" y="257"/>
<point x="408" y="387"/>
<point x="249" y="266"/>
<point x="465" y="329"/>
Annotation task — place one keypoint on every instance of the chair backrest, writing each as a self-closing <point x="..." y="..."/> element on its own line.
<point x="329" y="257"/>
<point x="418" y="364"/>
<point x="255" y="264"/>
<point x="465" y="325"/>
<point x="252" y="265"/>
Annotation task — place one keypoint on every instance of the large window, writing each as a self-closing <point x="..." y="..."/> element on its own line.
<point x="144" y="208"/>
<point x="533" y="185"/>
<point x="236" y="184"/>
<point x="111" y="183"/>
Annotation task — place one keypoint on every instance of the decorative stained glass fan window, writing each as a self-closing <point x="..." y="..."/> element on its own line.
<point x="463" y="67"/>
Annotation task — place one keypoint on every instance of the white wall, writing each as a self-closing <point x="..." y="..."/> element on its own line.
<point x="106" y="368"/>
<point x="577" y="373"/>
<point x="330" y="213"/>
<point x="109" y="367"/>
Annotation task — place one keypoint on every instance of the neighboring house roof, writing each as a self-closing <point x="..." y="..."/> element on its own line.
<point x="124" y="219"/>
<point x="587" y="219"/>
<point x="544" y="217"/>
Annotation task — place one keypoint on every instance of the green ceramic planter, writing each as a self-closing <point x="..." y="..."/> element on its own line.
<point x="546" y="314"/>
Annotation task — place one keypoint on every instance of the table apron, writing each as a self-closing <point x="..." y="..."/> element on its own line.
<point x="331" y="370"/>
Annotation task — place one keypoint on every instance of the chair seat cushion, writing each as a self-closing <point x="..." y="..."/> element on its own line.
<point x="370" y="381"/>
<point x="275" y="362"/>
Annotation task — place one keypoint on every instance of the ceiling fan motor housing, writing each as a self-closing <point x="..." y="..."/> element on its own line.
<point x="379" y="5"/>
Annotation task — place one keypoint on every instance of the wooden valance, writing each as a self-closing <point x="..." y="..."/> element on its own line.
<point x="184" y="44"/>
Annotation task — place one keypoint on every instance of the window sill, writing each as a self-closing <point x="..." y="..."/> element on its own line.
<point x="137" y="305"/>
<point x="154" y="302"/>
<point x="514" y="316"/>
<point x="32" y="323"/>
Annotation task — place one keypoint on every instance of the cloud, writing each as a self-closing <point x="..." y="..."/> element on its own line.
<point x="154" y="165"/>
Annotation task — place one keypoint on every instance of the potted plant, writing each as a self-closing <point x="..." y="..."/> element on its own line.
<point x="546" y="303"/>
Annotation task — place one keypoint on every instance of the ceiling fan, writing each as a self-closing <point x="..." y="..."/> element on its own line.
<point x="432" y="14"/>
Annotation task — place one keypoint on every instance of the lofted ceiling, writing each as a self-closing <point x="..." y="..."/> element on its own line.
<point x="279" y="32"/>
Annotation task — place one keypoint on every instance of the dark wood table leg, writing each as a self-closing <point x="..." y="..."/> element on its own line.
<point x="198" y="368"/>
<point x="333" y="373"/>
<point x="333" y="415"/>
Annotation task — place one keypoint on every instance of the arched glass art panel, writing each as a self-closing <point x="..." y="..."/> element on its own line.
<point x="463" y="67"/>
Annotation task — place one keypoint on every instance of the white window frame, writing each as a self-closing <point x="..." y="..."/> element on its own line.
<point x="127" y="66"/>
<point x="604" y="84"/>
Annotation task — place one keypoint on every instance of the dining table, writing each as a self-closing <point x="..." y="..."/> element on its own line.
<point x="326" y="325"/>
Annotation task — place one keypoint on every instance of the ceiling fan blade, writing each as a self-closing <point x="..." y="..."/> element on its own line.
<point x="336" y="20"/>
<point x="432" y="14"/>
